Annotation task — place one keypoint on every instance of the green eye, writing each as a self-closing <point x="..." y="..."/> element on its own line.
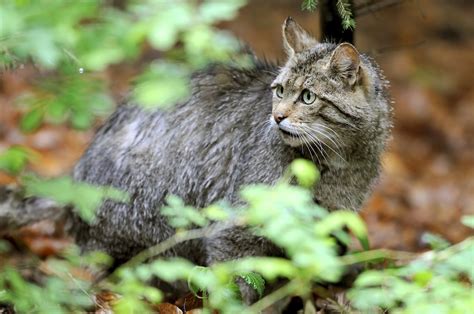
<point x="308" y="97"/>
<point x="279" y="91"/>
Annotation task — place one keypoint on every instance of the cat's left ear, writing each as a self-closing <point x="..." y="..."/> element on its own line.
<point x="295" y="38"/>
<point x="345" y="61"/>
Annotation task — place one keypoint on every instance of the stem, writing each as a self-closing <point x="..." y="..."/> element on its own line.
<point x="167" y="244"/>
<point x="367" y="256"/>
<point x="273" y="297"/>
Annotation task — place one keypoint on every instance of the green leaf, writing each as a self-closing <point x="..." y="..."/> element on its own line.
<point x="338" y="219"/>
<point x="32" y="120"/>
<point x="212" y="11"/>
<point x="81" y="120"/>
<point x="199" y="279"/>
<point x="436" y="242"/>
<point x="305" y="172"/>
<point x="85" y="198"/>
<point x="364" y="242"/>
<point x="162" y="86"/>
<point x="269" y="267"/>
<point x="255" y="280"/>
<point x="99" y="59"/>
<point x="44" y="49"/>
<point x="130" y="304"/>
<point x="172" y="270"/>
<point x="15" y="159"/>
<point x="180" y="215"/>
<point x="423" y="278"/>
<point x="370" y="278"/>
<point x="468" y="221"/>
<point x="162" y="35"/>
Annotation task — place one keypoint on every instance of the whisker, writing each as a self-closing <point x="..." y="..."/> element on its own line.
<point x="317" y="128"/>
<point x="316" y="141"/>
<point x="263" y="127"/>
<point x="321" y="132"/>
<point x="310" y="149"/>
<point x="327" y="128"/>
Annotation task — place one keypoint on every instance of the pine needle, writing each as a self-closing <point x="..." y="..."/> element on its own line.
<point x="344" y="9"/>
<point x="309" y="5"/>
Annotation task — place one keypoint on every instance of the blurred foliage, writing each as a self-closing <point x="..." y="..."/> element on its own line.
<point x="439" y="281"/>
<point x="72" y="41"/>
<point x="84" y="198"/>
<point x="14" y="159"/>
<point x="60" y="292"/>
<point x="434" y="281"/>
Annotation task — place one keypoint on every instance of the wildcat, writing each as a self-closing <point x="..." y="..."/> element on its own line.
<point x="327" y="103"/>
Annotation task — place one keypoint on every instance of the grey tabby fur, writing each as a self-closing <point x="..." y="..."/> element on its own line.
<point x="226" y="136"/>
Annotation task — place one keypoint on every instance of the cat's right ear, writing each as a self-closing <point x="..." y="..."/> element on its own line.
<point x="345" y="61"/>
<point x="295" y="38"/>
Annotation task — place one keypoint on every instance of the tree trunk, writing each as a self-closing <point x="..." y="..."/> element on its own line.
<point x="331" y="23"/>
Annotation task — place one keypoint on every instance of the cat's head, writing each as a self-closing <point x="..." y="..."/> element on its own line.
<point x="324" y="94"/>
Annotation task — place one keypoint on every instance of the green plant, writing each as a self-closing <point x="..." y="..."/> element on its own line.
<point x="438" y="281"/>
<point x="74" y="41"/>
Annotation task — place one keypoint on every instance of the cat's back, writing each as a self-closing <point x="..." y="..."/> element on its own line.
<point x="197" y="149"/>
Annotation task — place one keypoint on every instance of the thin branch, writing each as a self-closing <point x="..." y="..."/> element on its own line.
<point x="273" y="297"/>
<point x="374" y="6"/>
<point x="405" y="257"/>
<point x="165" y="245"/>
<point x="371" y="255"/>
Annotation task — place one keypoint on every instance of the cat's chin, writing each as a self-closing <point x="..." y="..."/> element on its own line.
<point x="291" y="140"/>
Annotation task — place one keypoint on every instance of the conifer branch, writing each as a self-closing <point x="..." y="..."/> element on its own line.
<point x="345" y="12"/>
<point x="309" y="5"/>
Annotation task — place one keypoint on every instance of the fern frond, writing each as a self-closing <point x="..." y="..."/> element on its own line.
<point x="255" y="280"/>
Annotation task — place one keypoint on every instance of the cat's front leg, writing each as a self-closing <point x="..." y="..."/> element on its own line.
<point x="233" y="243"/>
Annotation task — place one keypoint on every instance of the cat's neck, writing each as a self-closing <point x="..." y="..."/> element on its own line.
<point x="324" y="157"/>
<point x="354" y="156"/>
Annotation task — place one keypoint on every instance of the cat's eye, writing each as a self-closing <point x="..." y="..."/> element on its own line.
<point x="279" y="91"/>
<point x="308" y="97"/>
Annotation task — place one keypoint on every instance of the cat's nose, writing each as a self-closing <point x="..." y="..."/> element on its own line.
<point x="278" y="116"/>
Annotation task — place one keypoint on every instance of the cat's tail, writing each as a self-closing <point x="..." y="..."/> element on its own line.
<point x="17" y="211"/>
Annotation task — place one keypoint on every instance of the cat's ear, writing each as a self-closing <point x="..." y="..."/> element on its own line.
<point x="295" y="38"/>
<point x="345" y="61"/>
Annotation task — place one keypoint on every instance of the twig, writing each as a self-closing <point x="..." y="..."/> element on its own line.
<point x="367" y="256"/>
<point x="374" y="6"/>
<point x="273" y="297"/>
<point x="164" y="246"/>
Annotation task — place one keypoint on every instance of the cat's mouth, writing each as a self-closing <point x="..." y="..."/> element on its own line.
<point x="288" y="133"/>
